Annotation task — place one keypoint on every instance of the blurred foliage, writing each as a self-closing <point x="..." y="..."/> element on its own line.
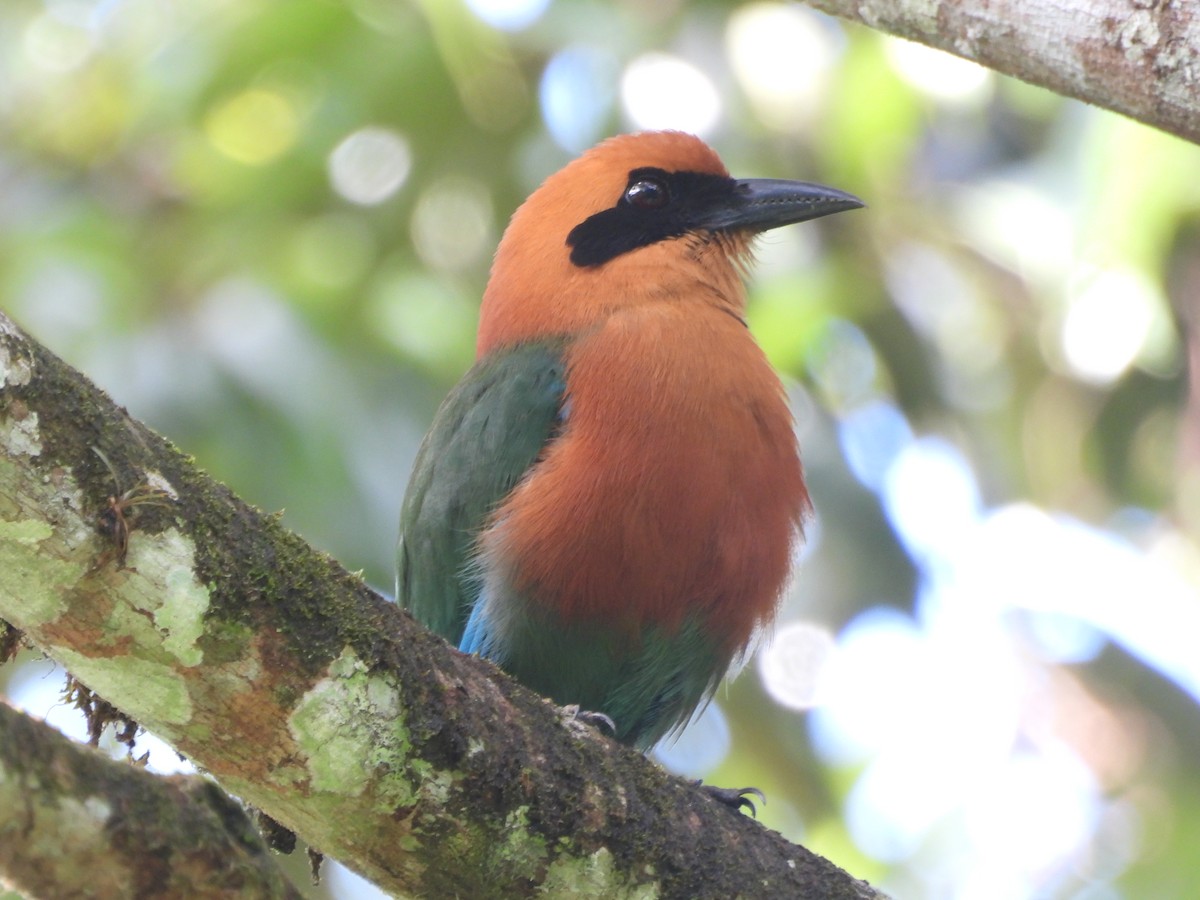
<point x="175" y="221"/>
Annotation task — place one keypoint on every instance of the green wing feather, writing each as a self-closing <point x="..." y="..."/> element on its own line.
<point x="487" y="434"/>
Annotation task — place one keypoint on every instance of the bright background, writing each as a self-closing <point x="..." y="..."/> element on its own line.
<point x="264" y="228"/>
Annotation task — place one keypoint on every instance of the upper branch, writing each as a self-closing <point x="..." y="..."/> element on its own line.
<point x="1140" y="58"/>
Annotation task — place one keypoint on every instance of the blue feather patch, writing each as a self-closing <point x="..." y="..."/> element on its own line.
<point x="477" y="637"/>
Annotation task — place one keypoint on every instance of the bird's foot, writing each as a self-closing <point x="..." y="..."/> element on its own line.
<point x="598" y="720"/>
<point x="735" y="798"/>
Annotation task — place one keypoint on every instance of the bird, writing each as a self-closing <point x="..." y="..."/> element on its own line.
<point x="607" y="505"/>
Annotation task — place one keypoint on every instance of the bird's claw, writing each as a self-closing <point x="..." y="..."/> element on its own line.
<point x="735" y="798"/>
<point x="597" y="720"/>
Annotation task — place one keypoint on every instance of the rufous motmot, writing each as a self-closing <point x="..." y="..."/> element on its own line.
<point x="607" y="504"/>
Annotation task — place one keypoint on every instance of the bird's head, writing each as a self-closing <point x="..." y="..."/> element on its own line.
<point x="639" y="218"/>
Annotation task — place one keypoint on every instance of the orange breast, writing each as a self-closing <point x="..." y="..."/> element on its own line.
<point x="676" y="486"/>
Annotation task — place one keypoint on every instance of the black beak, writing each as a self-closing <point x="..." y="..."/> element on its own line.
<point x="759" y="204"/>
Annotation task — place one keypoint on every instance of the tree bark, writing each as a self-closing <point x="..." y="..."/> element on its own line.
<point x="74" y="823"/>
<point x="1140" y="58"/>
<point x="310" y="697"/>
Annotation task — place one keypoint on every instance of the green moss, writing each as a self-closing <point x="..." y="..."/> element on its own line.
<point x="592" y="876"/>
<point x="224" y="642"/>
<point x="524" y="848"/>
<point x="258" y="572"/>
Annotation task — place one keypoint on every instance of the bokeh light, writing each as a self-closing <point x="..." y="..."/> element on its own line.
<point x="452" y="224"/>
<point x="510" y="15"/>
<point x="939" y="707"/>
<point x="253" y="127"/>
<point x="783" y="55"/>
<point x="1107" y="323"/>
<point x="792" y="664"/>
<point x="576" y="95"/>
<point x="872" y="437"/>
<point x="56" y="45"/>
<point x="940" y="75"/>
<point x="1022" y="226"/>
<point x="370" y="165"/>
<point x="659" y="90"/>
<point x="844" y="365"/>
<point x="1069" y="568"/>
<point x="931" y="497"/>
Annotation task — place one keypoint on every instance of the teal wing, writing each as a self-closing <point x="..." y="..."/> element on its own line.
<point x="490" y="430"/>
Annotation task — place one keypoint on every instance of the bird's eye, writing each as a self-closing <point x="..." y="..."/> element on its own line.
<point x="647" y="194"/>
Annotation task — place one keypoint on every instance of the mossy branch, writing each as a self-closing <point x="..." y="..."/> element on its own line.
<point x="315" y="700"/>
<point x="75" y="823"/>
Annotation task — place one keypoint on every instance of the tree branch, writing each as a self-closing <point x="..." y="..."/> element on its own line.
<point x="307" y="695"/>
<point x="1140" y="58"/>
<point x="76" y="823"/>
